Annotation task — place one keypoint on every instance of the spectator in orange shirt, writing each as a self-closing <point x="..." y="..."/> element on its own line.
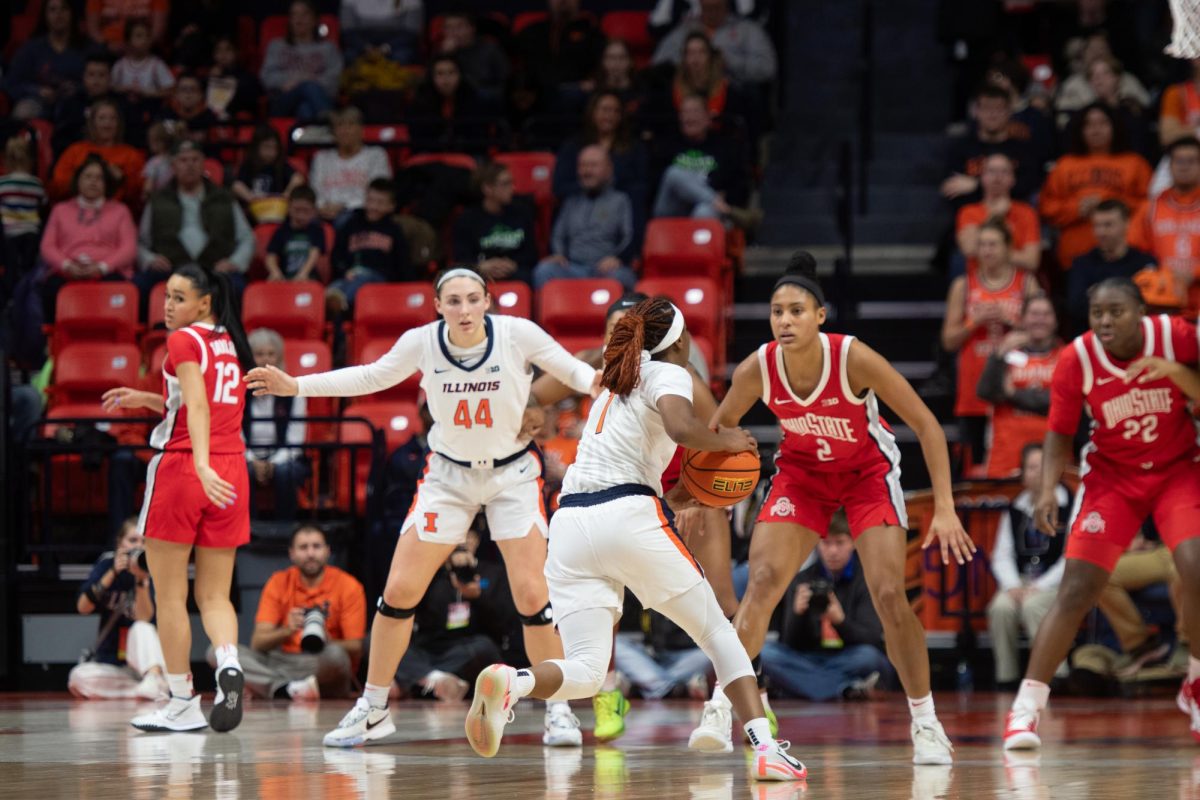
<point x="105" y="137"/>
<point x="1179" y="115"/>
<point x="287" y="659"/>
<point x="106" y="20"/>
<point x="1099" y="166"/>
<point x="1168" y="227"/>
<point x="997" y="180"/>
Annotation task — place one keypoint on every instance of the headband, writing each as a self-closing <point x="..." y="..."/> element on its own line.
<point x="804" y="282"/>
<point x="673" y="333"/>
<point x="460" y="272"/>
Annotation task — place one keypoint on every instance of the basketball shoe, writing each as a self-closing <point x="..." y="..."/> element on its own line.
<point x="362" y="724"/>
<point x="153" y="686"/>
<point x="611" y="708"/>
<point x="177" y="715"/>
<point x="772" y="763"/>
<point x="561" y="726"/>
<point x="491" y="709"/>
<point x="930" y="744"/>
<point x="1020" y="730"/>
<point x="714" y="733"/>
<point x="1186" y="700"/>
<point x="231" y="695"/>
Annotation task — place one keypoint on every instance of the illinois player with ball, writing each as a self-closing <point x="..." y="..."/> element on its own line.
<point x="1134" y="376"/>
<point x="836" y="451"/>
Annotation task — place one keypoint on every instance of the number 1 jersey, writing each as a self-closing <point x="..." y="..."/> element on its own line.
<point x="213" y="351"/>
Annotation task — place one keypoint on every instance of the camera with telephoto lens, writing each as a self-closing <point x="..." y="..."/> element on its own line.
<point x="312" y="634"/>
<point x="138" y="556"/>
<point x="820" y="595"/>
<point x="464" y="571"/>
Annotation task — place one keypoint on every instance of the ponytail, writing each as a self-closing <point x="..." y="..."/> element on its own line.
<point x="642" y="328"/>
<point x="226" y="309"/>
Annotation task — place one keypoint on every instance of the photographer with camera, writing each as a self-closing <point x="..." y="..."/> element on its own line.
<point x="126" y="659"/>
<point x="832" y="640"/>
<point x="458" y="624"/>
<point x="309" y="629"/>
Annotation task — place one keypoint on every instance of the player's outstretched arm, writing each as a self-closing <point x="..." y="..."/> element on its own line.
<point x="869" y="370"/>
<point x="1152" y="368"/>
<point x="685" y="428"/>
<point x="745" y="389"/>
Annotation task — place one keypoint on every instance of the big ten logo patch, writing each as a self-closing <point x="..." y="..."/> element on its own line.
<point x="732" y="485"/>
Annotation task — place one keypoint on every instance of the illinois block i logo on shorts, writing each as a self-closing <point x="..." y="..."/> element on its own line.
<point x="783" y="507"/>
<point x="1092" y="523"/>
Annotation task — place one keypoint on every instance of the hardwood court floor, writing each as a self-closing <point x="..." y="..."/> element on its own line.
<point x="54" y="747"/>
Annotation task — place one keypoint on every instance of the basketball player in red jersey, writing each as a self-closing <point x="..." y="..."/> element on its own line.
<point x="197" y="490"/>
<point x="837" y="451"/>
<point x="1133" y="375"/>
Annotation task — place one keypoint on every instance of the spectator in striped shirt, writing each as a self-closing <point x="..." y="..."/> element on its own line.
<point x="21" y="199"/>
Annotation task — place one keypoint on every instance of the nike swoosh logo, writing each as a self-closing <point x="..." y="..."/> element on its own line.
<point x="1102" y="381"/>
<point x="524" y="469"/>
<point x="439" y="371"/>
<point x="779" y="402"/>
<point x="371" y="725"/>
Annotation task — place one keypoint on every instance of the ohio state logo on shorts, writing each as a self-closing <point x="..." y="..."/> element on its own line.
<point x="1092" y="523"/>
<point x="783" y="507"/>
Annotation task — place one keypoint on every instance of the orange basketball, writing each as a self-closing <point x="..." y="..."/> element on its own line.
<point x="720" y="479"/>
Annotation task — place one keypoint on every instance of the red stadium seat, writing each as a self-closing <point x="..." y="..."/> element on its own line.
<point x="215" y="171"/>
<point x="460" y="160"/>
<point x="699" y="299"/>
<point x="526" y="18"/>
<point x="283" y="126"/>
<point x="386" y="310"/>
<point x="407" y="391"/>
<point x="392" y="138"/>
<point x="685" y="246"/>
<point x="293" y="309"/>
<point x="84" y="372"/>
<point x="306" y="357"/>
<point x="99" y="311"/>
<point x="633" y="27"/>
<point x="512" y="297"/>
<point x="577" y="344"/>
<point x="398" y="421"/>
<point x="152" y="381"/>
<point x="156" y="331"/>
<point x="262" y="237"/>
<point x="576" y="307"/>
<point x="533" y="175"/>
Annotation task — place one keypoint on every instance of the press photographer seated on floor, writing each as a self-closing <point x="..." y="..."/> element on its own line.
<point x="309" y="629"/>
<point x="126" y="659"/>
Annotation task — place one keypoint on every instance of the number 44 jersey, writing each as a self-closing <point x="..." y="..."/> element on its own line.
<point x="213" y="351"/>
<point x="1139" y="425"/>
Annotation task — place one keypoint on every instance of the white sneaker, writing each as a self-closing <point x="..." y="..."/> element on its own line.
<point x="491" y="709"/>
<point x="930" y="744"/>
<point x="153" y="686"/>
<point x="177" y="715"/>
<point x="562" y="727"/>
<point x="361" y="724"/>
<point x="307" y="689"/>
<point x="1020" y="730"/>
<point x="715" y="731"/>
<point x="772" y="763"/>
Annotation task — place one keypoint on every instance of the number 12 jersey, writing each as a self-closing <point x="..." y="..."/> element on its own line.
<point x="213" y="351"/>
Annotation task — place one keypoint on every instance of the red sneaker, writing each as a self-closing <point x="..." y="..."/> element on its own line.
<point x="1020" y="730"/>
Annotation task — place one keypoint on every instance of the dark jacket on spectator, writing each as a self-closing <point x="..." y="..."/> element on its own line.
<point x="378" y="246"/>
<point x="487" y="613"/>
<point x="216" y="215"/>
<point x="568" y="55"/>
<point x="967" y="154"/>
<point x="722" y="158"/>
<point x="509" y="234"/>
<point x="37" y="64"/>
<point x="861" y="626"/>
<point x="1089" y="269"/>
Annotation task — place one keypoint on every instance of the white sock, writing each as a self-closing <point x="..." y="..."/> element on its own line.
<point x="1032" y="696"/>
<point x="376" y="695"/>
<point x="610" y="682"/>
<point x="759" y="731"/>
<point x="525" y="683"/>
<point x="227" y="656"/>
<point x="921" y="708"/>
<point x="719" y="696"/>
<point x="1193" y="668"/>
<point x="181" y="685"/>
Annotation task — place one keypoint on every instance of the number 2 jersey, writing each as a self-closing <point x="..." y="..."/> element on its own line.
<point x="476" y="396"/>
<point x="831" y="430"/>
<point x="213" y="350"/>
<point x="1142" y="425"/>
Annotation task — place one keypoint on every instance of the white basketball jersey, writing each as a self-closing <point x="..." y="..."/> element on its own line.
<point x="477" y="409"/>
<point x="624" y="440"/>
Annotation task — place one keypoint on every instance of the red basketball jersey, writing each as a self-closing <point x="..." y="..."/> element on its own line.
<point x="831" y="430"/>
<point x="975" y="351"/>
<point x="1013" y="428"/>
<point x="223" y="386"/>
<point x="1135" y="425"/>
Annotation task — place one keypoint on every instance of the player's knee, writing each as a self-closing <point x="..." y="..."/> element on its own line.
<point x="891" y="603"/>
<point x="398" y="593"/>
<point x="766" y="579"/>
<point x="530" y="596"/>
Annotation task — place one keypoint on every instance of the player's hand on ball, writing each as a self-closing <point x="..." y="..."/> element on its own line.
<point x="948" y="530"/>
<point x="219" y="491"/>
<point x="271" y="380"/>
<point x="736" y="440"/>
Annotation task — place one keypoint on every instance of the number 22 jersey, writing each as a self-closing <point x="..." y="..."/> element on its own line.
<point x="214" y="352"/>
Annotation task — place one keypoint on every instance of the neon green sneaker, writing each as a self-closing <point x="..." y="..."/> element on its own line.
<point x="611" y="708"/>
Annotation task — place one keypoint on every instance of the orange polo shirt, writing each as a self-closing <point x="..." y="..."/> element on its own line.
<point x="286" y="590"/>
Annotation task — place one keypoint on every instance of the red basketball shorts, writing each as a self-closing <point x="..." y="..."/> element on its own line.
<point x="872" y="497"/>
<point x="1114" y="500"/>
<point x="177" y="510"/>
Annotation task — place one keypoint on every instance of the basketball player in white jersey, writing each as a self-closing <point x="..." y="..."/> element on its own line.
<point x="476" y="372"/>
<point x="613" y="530"/>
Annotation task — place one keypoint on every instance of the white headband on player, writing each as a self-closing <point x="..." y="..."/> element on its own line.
<point x="673" y="333"/>
<point x="460" y="272"/>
